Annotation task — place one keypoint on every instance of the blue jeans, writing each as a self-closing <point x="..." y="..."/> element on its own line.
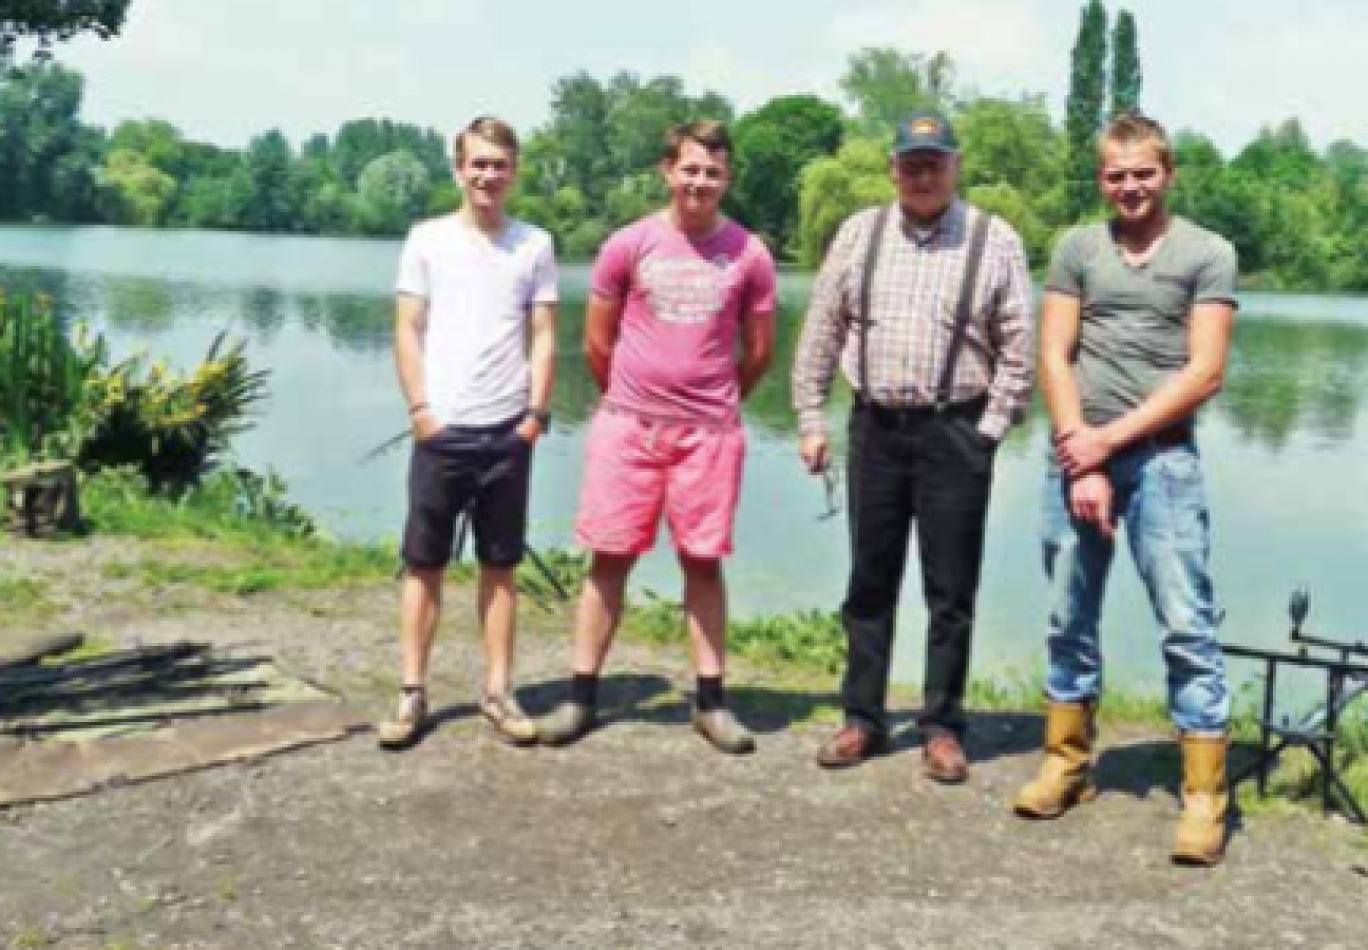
<point x="1161" y="502"/>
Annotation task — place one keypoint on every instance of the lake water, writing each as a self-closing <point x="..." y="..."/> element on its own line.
<point x="1284" y="445"/>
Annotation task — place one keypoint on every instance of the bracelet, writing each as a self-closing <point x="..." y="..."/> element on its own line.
<point x="417" y="407"/>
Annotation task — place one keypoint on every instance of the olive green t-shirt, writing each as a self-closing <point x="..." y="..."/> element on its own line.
<point x="1133" y="329"/>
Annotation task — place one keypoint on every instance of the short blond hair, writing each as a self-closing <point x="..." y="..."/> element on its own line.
<point x="1132" y="128"/>
<point x="492" y="130"/>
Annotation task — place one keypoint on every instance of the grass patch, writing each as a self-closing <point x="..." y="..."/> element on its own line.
<point x="22" y="594"/>
<point x="233" y="535"/>
<point x="91" y="648"/>
<point x="1295" y="784"/>
<point x="810" y="640"/>
<point x="280" y="564"/>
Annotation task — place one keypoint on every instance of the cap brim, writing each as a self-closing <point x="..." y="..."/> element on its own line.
<point x="924" y="147"/>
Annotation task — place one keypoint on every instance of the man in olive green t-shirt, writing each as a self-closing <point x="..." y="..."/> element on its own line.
<point x="1135" y="330"/>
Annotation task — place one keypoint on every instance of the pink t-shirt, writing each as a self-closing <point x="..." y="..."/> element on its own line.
<point x="684" y="300"/>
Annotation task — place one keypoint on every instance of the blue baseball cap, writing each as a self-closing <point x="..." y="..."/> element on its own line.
<point x="925" y="130"/>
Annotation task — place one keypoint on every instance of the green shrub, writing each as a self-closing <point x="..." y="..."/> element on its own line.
<point x="173" y="428"/>
<point x="61" y="397"/>
<point x="43" y="376"/>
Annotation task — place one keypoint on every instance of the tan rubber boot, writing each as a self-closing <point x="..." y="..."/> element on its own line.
<point x="1065" y="777"/>
<point x="1201" y="836"/>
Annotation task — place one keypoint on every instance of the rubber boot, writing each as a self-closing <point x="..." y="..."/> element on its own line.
<point x="1065" y="777"/>
<point x="1201" y="836"/>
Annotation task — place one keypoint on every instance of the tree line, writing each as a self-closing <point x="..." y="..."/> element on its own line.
<point x="802" y="164"/>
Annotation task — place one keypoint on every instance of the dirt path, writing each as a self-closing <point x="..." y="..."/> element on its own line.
<point x="638" y="837"/>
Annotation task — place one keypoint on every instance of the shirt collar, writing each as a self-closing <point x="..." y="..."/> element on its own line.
<point x="947" y="229"/>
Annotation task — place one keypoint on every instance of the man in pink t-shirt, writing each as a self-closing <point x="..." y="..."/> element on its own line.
<point x="675" y="296"/>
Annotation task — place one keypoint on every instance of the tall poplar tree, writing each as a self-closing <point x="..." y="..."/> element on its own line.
<point x="1125" y="71"/>
<point x="1087" y="99"/>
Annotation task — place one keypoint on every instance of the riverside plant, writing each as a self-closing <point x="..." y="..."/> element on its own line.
<point x="61" y="396"/>
<point x="43" y="378"/>
<point x="174" y="427"/>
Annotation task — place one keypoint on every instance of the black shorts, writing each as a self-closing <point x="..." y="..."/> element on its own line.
<point x="483" y="468"/>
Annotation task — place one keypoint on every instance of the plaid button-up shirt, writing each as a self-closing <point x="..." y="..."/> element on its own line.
<point x="912" y="306"/>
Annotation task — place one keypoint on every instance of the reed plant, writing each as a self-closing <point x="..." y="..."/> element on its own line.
<point x="44" y="374"/>
<point x="61" y="396"/>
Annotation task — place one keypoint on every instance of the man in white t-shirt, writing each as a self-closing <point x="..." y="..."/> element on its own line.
<point x="474" y="342"/>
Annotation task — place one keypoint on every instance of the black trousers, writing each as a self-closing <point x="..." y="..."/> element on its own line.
<point x="933" y="469"/>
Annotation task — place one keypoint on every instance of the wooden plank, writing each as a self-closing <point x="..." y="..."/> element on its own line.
<point x="32" y="648"/>
<point x="47" y="771"/>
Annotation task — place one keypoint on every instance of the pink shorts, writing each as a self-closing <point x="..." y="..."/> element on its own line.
<point x="636" y="468"/>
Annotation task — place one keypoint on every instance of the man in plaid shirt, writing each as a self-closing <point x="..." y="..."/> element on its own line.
<point x="927" y="418"/>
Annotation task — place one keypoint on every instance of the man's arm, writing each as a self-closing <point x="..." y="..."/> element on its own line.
<point x="541" y="358"/>
<point x="1090" y="493"/>
<point x="819" y="349"/>
<point x="602" y="321"/>
<point x="1209" y="327"/>
<point x="1013" y="335"/>
<point x="757" y="345"/>
<point x="410" y="331"/>
<point x="1059" y="321"/>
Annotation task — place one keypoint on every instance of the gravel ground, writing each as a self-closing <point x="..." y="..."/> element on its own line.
<point x="639" y="836"/>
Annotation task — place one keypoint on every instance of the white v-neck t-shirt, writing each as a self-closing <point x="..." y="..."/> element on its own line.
<point x="480" y="293"/>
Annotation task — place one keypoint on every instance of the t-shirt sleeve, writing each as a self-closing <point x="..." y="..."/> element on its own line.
<point x="1066" y="266"/>
<point x="613" y="270"/>
<point x="761" y="295"/>
<point x="413" y="270"/>
<point x="1216" y="275"/>
<point x="544" y="289"/>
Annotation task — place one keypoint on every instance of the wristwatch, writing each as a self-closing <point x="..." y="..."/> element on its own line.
<point x="542" y="416"/>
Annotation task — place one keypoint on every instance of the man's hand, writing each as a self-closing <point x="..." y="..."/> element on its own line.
<point x="529" y="430"/>
<point x="424" y="425"/>
<point x="816" y="452"/>
<point x="1082" y="450"/>
<point x="1090" y="501"/>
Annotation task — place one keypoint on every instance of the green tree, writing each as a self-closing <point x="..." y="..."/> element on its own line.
<point x="360" y="142"/>
<point x="1010" y="141"/>
<point x="48" y="159"/>
<point x="135" y="192"/>
<point x="49" y="21"/>
<point x="216" y="201"/>
<point x="1125" y="70"/>
<point x="393" y="190"/>
<point x="884" y="84"/>
<point x="269" y="164"/>
<point x="640" y="112"/>
<point x="1015" y="208"/>
<point x="773" y="143"/>
<point x="835" y="187"/>
<point x="579" y="114"/>
<point x="1087" y="99"/>
<point x="159" y="142"/>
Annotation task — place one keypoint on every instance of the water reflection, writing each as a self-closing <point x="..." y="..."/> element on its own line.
<point x="1287" y="377"/>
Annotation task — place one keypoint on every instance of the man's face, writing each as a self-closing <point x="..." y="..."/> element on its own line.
<point x="926" y="180"/>
<point x="1133" y="180"/>
<point x="697" y="179"/>
<point x="486" y="173"/>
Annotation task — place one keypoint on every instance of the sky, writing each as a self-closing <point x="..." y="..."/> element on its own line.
<point x="224" y="71"/>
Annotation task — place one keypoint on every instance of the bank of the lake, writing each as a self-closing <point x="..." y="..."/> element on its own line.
<point x="464" y="841"/>
<point x="151" y="556"/>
